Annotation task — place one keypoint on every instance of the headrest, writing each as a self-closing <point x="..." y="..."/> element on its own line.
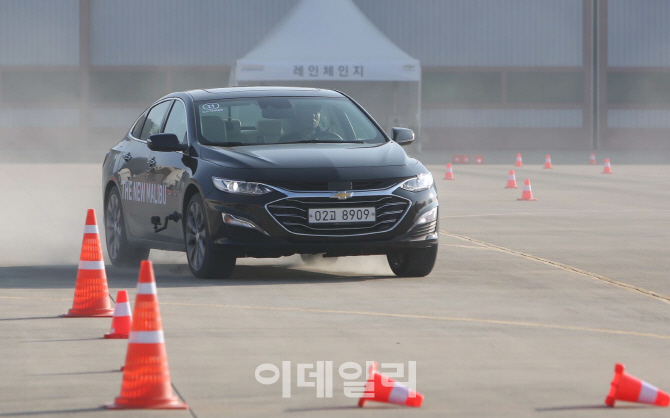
<point x="233" y="126"/>
<point x="213" y="129"/>
<point x="268" y="127"/>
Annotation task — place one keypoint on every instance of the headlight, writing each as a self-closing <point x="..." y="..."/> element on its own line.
<point x="418" y="183"/>
<point x="240" y="187"/>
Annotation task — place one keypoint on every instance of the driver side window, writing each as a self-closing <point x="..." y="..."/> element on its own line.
<point x="155" y="119"/>
<point x="176" y="122"/>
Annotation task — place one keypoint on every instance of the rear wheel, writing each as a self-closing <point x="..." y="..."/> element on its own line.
<point x="204" y="259"/>
<point x="414" y="262"/>
<point x="120" y="252"/>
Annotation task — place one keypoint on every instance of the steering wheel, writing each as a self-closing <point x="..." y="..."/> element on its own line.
<point x="327" y="135"/>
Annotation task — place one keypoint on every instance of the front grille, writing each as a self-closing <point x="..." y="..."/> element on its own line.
<point x="292" y="214"/>
<point x="425" y="229"/>
<point x="322" y="186"/>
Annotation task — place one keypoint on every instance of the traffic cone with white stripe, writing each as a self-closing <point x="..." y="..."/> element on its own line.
<point x="384" y="389"/>
<point x="527" y="193"/>
<point x="449" y="174"/>
<point x="91" y="295"/>
<point x="122" y="317"/>
<point x="547" y="162"/>
<point x="608" y="168"/>
<point x="592" y="159"/>
<point x="519" y="162"/>
<point x="511" y="180"/>
<point x="146" y="375"/>
<point x="625" y="387"/>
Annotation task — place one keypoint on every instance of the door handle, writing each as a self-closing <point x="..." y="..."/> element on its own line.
<point x="151" y="161"/>
<point x="127" y="156"/>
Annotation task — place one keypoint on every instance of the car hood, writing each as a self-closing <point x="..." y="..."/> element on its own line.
<point x="268" y="156"/>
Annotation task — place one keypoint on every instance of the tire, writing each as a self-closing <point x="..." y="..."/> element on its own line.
<point x="315" y="259"/>
<point x="204" y="259"/>
<point x="120" y="252"/>
<point x="416" y="262"/>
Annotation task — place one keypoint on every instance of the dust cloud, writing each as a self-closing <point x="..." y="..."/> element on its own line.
<point x="46" y="206"/>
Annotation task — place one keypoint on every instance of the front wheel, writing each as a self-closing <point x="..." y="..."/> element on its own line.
<point x="204" y="259"/>
<point x="414" y="262"/>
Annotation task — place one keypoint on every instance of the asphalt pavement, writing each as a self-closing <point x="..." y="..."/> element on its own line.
<point x="528" y="308"/>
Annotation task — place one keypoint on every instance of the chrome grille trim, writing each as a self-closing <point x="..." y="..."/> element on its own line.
<point x="289" y="207"/>
<point x="372" y="197"/>
<point x="338" y="229"/>
<point x="336" y="201"/>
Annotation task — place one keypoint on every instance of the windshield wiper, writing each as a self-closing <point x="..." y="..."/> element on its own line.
<point x="323" y="141"/>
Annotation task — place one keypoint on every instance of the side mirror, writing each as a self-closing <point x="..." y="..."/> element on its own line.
<point x="403" y="136"/>
<point x="165" y="143"/>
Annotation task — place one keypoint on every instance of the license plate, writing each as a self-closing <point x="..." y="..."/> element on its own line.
<point x="348" y="215"/>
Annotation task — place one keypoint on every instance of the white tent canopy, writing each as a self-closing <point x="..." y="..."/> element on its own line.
<point x="326" y="40"/>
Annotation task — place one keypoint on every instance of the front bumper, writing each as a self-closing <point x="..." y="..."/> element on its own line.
<point x="278" y="241"/>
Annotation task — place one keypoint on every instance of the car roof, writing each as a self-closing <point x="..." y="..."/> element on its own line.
<point x="260" y="91"/>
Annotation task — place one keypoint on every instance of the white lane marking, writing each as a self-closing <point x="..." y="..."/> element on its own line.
<point x="427" y="317"/>
<point x="564" y="212"/>
<point x="565" y="267"/>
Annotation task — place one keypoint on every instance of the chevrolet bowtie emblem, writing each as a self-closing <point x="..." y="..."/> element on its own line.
<point x="342" y="195"/>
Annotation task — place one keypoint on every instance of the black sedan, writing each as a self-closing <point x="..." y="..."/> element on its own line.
<point x="267" y="172"/>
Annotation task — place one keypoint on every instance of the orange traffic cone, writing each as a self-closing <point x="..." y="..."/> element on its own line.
<point x="146" y="375"/>
<point x="592" y="159"/>
<point x="122" y="317"/>
<point x="384" y="389"/>
<point x="547" y="161"/>
<point x="608" y="167"/>
<point x="91" y="295"/>
<point x="625" y="387"/>
<point x="511" y="180"/>
<point x="449" y="175"/>
<point x="527" y="193"/>
<point x="518" y="163"/>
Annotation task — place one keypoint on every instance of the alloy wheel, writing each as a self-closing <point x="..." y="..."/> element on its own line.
<point x="195" y="236"/>
<point x="113" y="226"/>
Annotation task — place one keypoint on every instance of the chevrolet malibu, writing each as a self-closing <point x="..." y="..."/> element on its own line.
<point x="228" y="173"/>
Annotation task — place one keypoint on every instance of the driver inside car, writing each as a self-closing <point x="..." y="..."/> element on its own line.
<point x="306" y="126"/>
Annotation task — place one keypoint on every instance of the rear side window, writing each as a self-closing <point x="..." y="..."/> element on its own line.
<point x="155" y="119"/>
<point x="137" y="129"/>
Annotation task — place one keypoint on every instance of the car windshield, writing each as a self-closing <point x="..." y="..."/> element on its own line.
<point x="284" y="120"/>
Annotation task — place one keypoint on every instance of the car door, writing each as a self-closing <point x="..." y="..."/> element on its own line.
<point x="137" y="197"/>
<point x="129" y="163"/>
<point x="170" y="175"/>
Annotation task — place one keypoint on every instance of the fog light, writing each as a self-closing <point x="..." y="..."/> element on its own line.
<point x="231" y="220"/>
<point x="429" y="216"/>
